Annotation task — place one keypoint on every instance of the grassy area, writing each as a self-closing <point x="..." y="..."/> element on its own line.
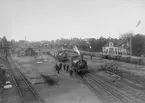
<point x="132" y="68"/>
<point x="29" y="66"/>
<point x="67" y="90"/>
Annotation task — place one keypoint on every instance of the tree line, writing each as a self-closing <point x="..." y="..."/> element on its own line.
<point x="138" y="43"/>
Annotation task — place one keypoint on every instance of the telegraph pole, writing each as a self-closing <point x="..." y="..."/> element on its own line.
<point x="131" y="45"/>
<point x="139" y="22"/>
<point x="25" y="42"/>
<point x="25" y="38"/>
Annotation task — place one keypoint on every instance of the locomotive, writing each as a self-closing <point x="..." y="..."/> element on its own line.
<point x="80" y="65"/>
<point x="62" y="56"/>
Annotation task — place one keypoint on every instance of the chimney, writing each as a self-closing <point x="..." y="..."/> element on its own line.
<point x="81" y="57"/>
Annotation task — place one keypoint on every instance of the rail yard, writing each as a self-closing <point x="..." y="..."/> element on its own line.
<point x="72" y="51"/>
<point x="34" y="82"/>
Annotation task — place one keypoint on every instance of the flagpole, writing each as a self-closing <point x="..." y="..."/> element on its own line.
<point x="131" y="45"/>
<point x="139" y="22"/>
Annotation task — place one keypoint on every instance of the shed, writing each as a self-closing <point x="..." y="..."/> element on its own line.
<point x="30" y="52"/>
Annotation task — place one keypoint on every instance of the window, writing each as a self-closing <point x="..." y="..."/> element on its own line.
<point x="122" y="45"/>
<point x="127" y="44"/>
<point x="110" y="44"/>
<point x="111" y="50"/>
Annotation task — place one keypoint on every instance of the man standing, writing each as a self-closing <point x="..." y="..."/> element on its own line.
<point x="60" y="65"/>
<point x="67" y="68"/>
<point x="64" y="65"/>
<point x="57" y="68"/>
<point x="71" y="72"/>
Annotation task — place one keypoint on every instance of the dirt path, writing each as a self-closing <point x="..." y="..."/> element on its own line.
<point x="68" y="90"/>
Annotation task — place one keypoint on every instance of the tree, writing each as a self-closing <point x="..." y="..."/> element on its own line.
<point x="13" y="41"/>
<point x="4" y="39"/>
<point x="138" y="45"/>
<point x="137" y="42"/>
<point x="126" y="35"/>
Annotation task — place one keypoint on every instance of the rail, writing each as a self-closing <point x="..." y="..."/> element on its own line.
<point x="27" y="92"/>
<point x="125" y="98"/>
<point x="101" y="92"/>
<point x="123" y="86"/>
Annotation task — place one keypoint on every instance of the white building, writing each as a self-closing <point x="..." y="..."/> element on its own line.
<point x="116" y="47"/>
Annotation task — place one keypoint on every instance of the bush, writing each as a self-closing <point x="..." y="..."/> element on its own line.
<point x="134" y="61"/>
<point x="127" y="59"/>
<point x="118" y="58"/>
<point x="141" y="62"/>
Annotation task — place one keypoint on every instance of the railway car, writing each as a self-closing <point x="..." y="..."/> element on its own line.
<point x="62" y="56"/>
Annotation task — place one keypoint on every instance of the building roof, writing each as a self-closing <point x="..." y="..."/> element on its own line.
<point x="115" y="42"/>
<point x="29" y="49"/>
<point x="110" y="40"/>
<point x="120" y="42"/>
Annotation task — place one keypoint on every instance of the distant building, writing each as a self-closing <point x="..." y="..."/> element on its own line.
<point x="118" y="47"/>
<point x="20" y="52"/>
<point x="23" y="45"/>
<point x="26" y="52"/>
<point x="29" y="52"/>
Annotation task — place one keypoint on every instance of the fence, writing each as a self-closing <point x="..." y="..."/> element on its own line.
<point x="123" y="58"/>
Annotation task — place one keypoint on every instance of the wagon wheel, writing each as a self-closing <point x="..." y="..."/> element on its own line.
<point x="109" y="67"/>
<point x="103" y="67"/>
<point x="115" y="67"/>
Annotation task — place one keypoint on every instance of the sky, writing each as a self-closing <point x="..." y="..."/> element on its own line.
<point x="55" y="19"/>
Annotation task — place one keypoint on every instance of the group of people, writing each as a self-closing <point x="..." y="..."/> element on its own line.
<point x="64" y="67"/>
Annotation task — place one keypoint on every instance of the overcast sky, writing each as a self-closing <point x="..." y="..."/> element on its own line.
<point x="53" y="19"/>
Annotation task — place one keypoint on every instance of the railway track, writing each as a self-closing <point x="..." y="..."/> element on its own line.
<point x="27" y="93"/>
<point x="136" y="94"/>
<point x="114" y="91"/>
<point x="131" y="78"/>
<point x="101" y="92"/>
<point x="134" y="78"/>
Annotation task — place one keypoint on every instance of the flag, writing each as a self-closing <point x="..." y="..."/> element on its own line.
<point x="139" y="22"/>
<point x="76" y="49"/>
